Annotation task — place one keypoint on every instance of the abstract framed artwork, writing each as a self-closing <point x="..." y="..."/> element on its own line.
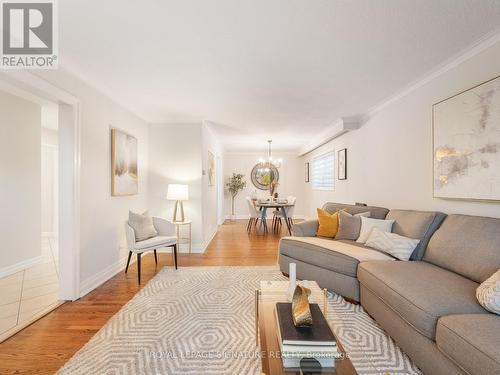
<point x="124" y="173"/>
<point x="342" y="164"/>
<point x="306" y="171"/>
<point x="211" y="169"/>
<point x="466" y="144"/>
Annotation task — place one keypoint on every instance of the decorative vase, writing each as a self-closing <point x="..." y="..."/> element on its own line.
<point x="292" y="276"/>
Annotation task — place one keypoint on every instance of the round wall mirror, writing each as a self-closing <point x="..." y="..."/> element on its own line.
<point x="262" y="179"/>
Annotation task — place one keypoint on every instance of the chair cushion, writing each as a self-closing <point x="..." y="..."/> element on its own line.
<point x="156" y="242"/>
<point x="142" y="226"/>
<point x="471" y="341"/>
<point x="339" y="256"/>
<point x="419" y="292"/>
<point x="420" y="225"/>
<point x="467" y="245"/>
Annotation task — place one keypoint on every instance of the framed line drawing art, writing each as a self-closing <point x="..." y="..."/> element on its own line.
<point x="466" y="144"/>
<point x="342" y="164"/>
<point x="124" y="173"/>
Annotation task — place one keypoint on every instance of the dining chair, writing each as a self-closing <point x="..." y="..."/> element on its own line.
<point x="166" y="238"/>
<point x="279" y="214"/>
<point x="255" y="215"/>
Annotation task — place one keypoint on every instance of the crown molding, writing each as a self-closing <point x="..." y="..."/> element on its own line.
<point x="338" y="128"/>
<point x="476" y="48"/>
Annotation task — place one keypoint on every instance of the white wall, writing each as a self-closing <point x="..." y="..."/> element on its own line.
<point x="178" y="154"/>
<point x="390" y="158"/>
<point x="210" y="198"/>
<point x="175" y="154"/>
<point x="20" y="221"/>
<point x="49" y="181"/>
<point x="102" y="238"/>
<point x="291" y="179"/>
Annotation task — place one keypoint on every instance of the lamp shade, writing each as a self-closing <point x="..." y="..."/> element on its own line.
<point x="177" y="192"/>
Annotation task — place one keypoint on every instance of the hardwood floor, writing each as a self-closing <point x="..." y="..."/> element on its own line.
<point x="44" y="346"/>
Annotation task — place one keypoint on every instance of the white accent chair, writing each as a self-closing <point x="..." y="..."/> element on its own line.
<point x="255" y="215"/>
<point x="166" y="238"/>
<point x="279" y="214"/>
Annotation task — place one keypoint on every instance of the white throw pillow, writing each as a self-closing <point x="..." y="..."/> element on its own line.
<point x="142" y="226"/>
<point x="399" y="247"/>
<point x="488" y="293"/>
<point x="367" y="224"/>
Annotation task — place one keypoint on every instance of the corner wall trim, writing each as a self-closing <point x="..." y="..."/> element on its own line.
<point x="21" y="266"/>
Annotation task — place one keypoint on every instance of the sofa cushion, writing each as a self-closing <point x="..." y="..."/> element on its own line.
<point x="471" y="341"/>
<point x="368" y="224"/>
<point x="328" y="223"/>
<point x="467" y="245"/>
<point x="420" y="225"/>
<point x="375" y="212"/>
<point x="420" y="292"/>
<point x="349" y="225"/>
<point x="339" y="256"/>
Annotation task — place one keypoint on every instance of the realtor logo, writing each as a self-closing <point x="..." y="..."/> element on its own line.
<point x="28" y="35"/>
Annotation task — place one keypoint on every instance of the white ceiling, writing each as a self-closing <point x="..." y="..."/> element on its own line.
<point x="281" y="69"/>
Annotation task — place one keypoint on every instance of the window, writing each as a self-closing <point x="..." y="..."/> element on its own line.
<point x="323" y="171"/>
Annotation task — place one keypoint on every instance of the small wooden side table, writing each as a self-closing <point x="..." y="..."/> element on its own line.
<point x="183" y="233"/>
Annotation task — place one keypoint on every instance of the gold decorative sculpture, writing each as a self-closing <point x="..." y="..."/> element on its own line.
<point x="301" y="312"/>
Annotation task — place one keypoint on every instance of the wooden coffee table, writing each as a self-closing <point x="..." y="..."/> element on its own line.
<point x="266" y="297"/>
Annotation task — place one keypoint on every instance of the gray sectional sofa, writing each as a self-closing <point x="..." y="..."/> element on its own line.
<point x="428" y="304"/>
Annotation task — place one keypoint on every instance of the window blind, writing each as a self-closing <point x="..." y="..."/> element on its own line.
<point x="323" y="171"/>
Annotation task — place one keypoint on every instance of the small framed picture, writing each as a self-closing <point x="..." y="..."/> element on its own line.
<point x="342" y="164"/>
<point x="307" y="172"/>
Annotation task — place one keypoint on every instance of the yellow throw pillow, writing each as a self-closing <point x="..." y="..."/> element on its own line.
<point x="328" y="223"/>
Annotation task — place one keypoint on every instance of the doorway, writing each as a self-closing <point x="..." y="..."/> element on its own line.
<point x="45" y="277"/>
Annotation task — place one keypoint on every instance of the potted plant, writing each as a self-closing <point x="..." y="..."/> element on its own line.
<point x="235" y="184"/>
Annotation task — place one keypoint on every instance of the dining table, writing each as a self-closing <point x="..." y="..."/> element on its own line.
<point x="263" y="206"/>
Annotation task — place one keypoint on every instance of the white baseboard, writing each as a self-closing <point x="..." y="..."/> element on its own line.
<point x="238" y="217"/>
<point x="10" y="270"/>
<point x="202" y="247"/>
<point x="101" y="277"/>
<point x="183" y="249"/>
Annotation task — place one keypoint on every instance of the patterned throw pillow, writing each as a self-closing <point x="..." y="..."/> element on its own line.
<point x="142" y="226"/>
<point x="488" y="293"/>
<point x="391" y="243"/>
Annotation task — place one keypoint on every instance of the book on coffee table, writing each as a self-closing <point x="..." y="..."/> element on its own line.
<point x="319" y="334"/>
<point x="292" y="354"/>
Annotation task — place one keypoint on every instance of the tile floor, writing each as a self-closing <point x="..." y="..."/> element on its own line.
<point x="29" y="294"/>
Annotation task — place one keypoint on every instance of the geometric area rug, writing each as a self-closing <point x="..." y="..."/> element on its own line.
<point x="200" y="320"/>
